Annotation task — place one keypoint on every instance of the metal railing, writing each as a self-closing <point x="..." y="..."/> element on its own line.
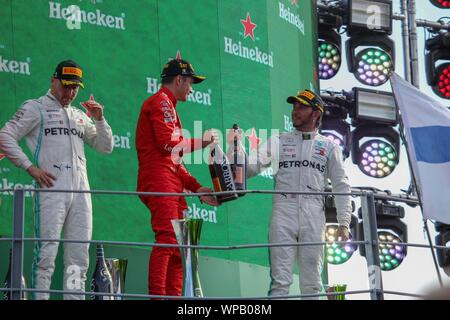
<point x="370" y="242"/>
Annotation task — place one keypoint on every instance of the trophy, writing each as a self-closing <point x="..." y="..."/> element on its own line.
<point x="187" y="232"/>
<point x="336" y="288"/>
<point x="118" y="270"/>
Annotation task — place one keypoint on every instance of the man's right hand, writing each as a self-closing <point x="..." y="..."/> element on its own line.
<point x="44" y="178"/>
<point x="211" y="200"/>
<point x="342" y="233"/>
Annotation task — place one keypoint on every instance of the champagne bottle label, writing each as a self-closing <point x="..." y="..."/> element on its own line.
<point x="215" y="178"/>
<point x="221" y="173"/>
<point x="239" y="175"/>
<point x="227" y="176"/>
<point x="216" y="184"/>
<point x="101" y="279"/>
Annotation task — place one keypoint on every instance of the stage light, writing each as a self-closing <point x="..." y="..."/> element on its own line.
<point x="375" y="157"/>
<point x="389" y="229"/>
<point x="334" y="127"/>
<point x="373" y="106"/>
<point x="437" y="64"/>
<point x="391" y="255"/>
<point x="370" y="52"/>
<point x="374" y="67"/>
<point x="338" y="253"/>
<point x="337" y="131"/>
<point x="329" y="44"/>
<point x="441" y="4"/>
<point x="374" y="15"/>
<point x="370" y="57"/>
<point x="378" y="159"/>
<point x="442" y="88"/>
<point x="329" y="59"/>
<point x="334" y="137"/>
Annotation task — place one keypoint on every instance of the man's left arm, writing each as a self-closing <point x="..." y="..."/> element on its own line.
<point x="210" y="136"/>
<point x="98" y="135"/>
<point x="340" y="184"/>
<point x="191" y="184"/>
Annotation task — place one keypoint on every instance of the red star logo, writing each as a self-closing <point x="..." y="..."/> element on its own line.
<point x="1" y="156"/>
<point x="178" y="55"/>
<point x="249" y="27"/>
<point x="294" y="2"/>
<point x="254" y="140"/>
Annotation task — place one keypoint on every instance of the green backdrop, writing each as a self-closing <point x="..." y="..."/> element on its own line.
<point x="122" y="46"/>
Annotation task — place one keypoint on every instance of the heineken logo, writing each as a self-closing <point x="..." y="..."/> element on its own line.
<point x="207" y="214"/>
<point x="122" y="142"/>
<point x="5" y="184"/>
<point x="196" y="96"/>
<point x="291" y="17"/>
<point x="253" y="140"/>
<point x="75" y="16"/>
<point x="252" y="53"/>
<point x="249" y="26"/>
<point x="14" y="66"/>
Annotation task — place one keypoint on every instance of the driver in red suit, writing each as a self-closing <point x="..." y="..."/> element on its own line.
<point x="160" y="147"/>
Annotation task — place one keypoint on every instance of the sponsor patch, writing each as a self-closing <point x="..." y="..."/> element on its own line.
<point x="53" y="122"/>
<point x="308" y="95"/>
<point x="288" y="150"/>
<point x="305" y="163"/>
<point x="72" y="71"/>
<point x="290" y="140"/>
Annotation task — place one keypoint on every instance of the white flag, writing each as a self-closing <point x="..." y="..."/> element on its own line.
<point x="427" y="128"/>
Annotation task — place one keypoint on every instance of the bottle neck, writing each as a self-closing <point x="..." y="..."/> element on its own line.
<point x="100" y="252"/>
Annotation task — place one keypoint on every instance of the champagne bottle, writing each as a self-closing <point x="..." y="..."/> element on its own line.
<point x="239" y="165"/>
<point x="7" y="295"/>
<point x="221" y="174"/>
<point x="101" y="279"/>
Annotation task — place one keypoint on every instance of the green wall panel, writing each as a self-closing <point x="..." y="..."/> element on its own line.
<point x="122" y="46"/>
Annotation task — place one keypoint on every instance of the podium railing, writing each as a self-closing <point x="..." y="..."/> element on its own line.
<point x="370" y="242"/>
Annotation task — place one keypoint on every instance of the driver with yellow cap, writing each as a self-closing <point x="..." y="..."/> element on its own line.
<point x="302" y="160"/>
<point x="55" y="133"/>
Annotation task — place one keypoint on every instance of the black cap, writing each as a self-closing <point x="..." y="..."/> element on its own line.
<point x="69" y="72"/>
<point x="177" y="67"/>
<point x="308" y="98"/>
